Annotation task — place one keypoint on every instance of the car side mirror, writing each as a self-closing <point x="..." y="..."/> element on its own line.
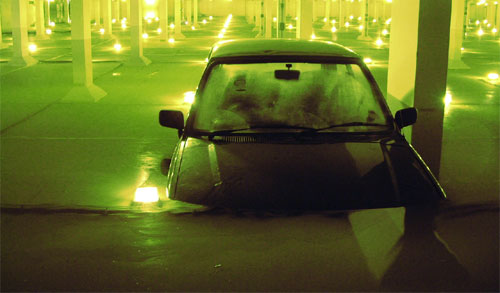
<point x="406" y="117"/>
<point x="172" y="119"/>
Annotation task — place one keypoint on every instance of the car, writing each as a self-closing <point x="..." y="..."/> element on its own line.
<point x="293" y="125"/>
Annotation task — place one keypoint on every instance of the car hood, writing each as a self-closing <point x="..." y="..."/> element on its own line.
<point x="301" y="175"/>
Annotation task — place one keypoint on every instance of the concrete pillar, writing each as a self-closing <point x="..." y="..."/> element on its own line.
<point x="97" y="12"/>
<point x="314" y="10"/>
<point x="40" y="20"/>
<point x="418" y="67"/>
<point x="116" y="10"/>
<point x="84" y="89"/>
<point x="136" y="41"/>
<point x="128" y="9"/>
<point x="258" y="17"/>
<point x="188" y="11"/>
<point x="106" y="17"/>
<point x="249" y="11"/>
<point x="327" y="13"/>
<point x="163" y="15"/>
<point x="268" y="11"/>
<point x="280" y="18"/>
<point x="365" y="21"/>
<point x="67" y="17"/>
<point x="178" y="19"/>
<point x="21" y="56"/>
<point x="341" y="21"/>
<point x="47" y="12"/>
<point x="195" y="13"/>
<point x="305" y="21"/>
<point x="456" y="35"/>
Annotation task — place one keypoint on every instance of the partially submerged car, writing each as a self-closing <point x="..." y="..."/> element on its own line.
<point x="289" y="124"/>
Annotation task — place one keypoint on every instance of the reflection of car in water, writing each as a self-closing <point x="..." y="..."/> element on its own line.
<point x="286" y="124"/>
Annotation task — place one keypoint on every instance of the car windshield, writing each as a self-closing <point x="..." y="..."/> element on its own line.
<point x="288" y="96"/>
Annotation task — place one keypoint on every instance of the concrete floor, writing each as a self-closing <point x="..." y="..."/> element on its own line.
<point x="58" y="160"/>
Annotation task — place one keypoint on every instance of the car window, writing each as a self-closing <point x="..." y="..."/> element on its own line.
<point x="238" y="96"/>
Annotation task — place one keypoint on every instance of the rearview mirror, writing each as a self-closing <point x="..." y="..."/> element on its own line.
<point x="172" y="119"/>
<point x="406" y="117"/>
<point x="287" y="74"/>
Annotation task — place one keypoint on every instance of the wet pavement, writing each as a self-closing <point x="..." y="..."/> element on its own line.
<point x="58" y="160"/>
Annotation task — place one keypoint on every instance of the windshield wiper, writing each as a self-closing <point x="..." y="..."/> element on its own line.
<point x="266" y="126"/>
<point x="347" y="124"/>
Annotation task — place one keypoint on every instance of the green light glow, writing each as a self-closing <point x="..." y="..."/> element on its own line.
<point x="493" y="76"/>
<point x="146" y="195"/>
<point x="334" y="29"/>
<point x="48" y="31"/>
<point x="385" y="32"/>
<point x="101" y="31"/>
<point x="118" y="47"/>
<point x="379" y="42"/>
<point x="368" y="60"/>
<point x="158" y="30"/>
<point x="32" y="47"/>
<point x="145" y="35"/>
<point x="171" y="40"/>
<point x="346" y="24"/>
<point x="480" y="32"/>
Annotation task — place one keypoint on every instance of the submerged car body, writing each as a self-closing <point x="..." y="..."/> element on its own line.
<point x="288" y="124"/>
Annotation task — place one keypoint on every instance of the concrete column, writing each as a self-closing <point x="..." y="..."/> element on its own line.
<point x="258" y="17"/>
<point x="341" y="21"/>
<point x="365" y="21"/>
<point x="418" y="67"/>
<point x="106" y="17"/>
<point x="268" y="10"/>
<point x="40" y="20"/>
<point x="47" y="12"/>
<point x="116" y="10"/>
<point x="280" y="18"/>
<point x="490" y="14"/>
<point x="84" y="89"/>
<point x="195" y="13"/>
<point x="128" y="9"/>
<point x="314" y="10"/>
<point x="163" y="15"/>
<point x="327" y="13"/>
<point x="249" y="11"/>
<point x="188" y="11"/>
<point x="178" y="19"/>
<point x="136" y="41"/>
<point x="97" y="12"/>
<point x="66" y="11"/>
<point x="456" y="35"/>
<point x="305" y="21"/>
<point x="21" y="56"/>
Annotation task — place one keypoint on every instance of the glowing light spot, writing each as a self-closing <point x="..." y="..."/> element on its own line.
<point x="385" y="32"/>
<point x="171" y="40"/>
<point x="118" y="47"/>
<point x="48" y="31"/>
<point x="52" y="24"/>
<point x="157" y="18"/>
<point x="32" y="47"/>
<point x="193" y="28"/>
<point x="296" y="18"/>
<point x="149" y="20"/>
<point x="480" y="32"/>
<point x="206" y="60"/>
<point x="101" y="31"/>
<point x="333" y="21"/>
<point x="220" y="36"/>
<point x="145" y="35"/>
<point x="290" y="26"/>
<point x="485" y="21"/>
<point x="493" y="76"/>
<point x="361" y="27"/>
<point x="223" y="30"/>
<point x="325" y="19"/>
<point x="477" y="22"/>
<point x="447" y="99"/>
<point x="379" y="42"/>
<point x="172" y="26"/>
<point x="116" y="74"/>
<point x="158" y="30"/>
<point x="210" y="17"/>
<point x="113" y="20"/>
<point x="347" y="24"/>
<point x="489" y="25"/>
<point x="388" y="21"/>
<point x="368" y="60"/>
<point x="360" y="18"/>
<point x="146" y="194"/>
<point x="313" y="36"/>
<point x="275" y="19"/>
<point x="374" y="20"/>
<point x="189" y="97"/>
<point x="124" y="26"/>
<point x="461" y="49"/>
<point x="186" y="22"/>
<point x="388" y="1"/>
<point x="351" y="17"/>
<point x="494" y="30"/>
<point x="334" y="29"/>
<point x="204" y="21"/>
<point x="124" y="20"/>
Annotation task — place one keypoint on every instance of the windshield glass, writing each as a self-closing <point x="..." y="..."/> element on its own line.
<point x="288" y="95"/>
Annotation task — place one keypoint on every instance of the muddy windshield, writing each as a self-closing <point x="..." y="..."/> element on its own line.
<point x="326" y="97"/>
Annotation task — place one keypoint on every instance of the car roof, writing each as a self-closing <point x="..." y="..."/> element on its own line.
<point x="279" y="47"/>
